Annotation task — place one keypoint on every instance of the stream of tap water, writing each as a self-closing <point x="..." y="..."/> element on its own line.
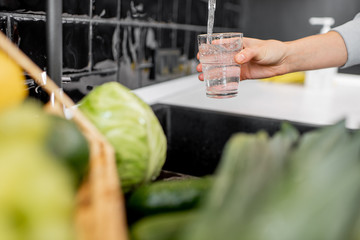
<point x="211" y="16"/>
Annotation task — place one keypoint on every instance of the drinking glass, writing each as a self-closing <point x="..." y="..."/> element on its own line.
<point x="221" y="72"/>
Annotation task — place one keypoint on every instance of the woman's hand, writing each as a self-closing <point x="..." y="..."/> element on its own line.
<point x="268" y="58"/>
<point x="262" y="58"/>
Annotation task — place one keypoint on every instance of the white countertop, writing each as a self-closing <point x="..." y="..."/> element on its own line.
<point x="265" y="99"/>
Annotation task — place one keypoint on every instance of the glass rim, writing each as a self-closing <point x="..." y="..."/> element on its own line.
<point x="225" y="34"/>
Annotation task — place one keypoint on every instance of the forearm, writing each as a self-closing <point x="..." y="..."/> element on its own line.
<point x="314" y="52"/>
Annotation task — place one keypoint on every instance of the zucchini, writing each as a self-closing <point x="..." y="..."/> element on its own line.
<point x="164" y="226"/>
<point x="167" y="196"/>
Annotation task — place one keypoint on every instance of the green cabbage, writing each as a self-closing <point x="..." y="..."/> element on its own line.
<point x="130" y="125"/>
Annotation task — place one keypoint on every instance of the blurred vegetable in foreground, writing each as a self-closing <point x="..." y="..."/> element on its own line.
<point x="36" y="191"/>
<point x="132" y="128"/>
<point x="277" y="187"/>
<point x="281" y="188"/>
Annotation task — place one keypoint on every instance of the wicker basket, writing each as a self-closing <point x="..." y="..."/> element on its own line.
<point x="100" y="211"/>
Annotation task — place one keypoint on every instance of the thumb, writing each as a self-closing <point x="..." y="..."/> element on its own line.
<point x="245" y="55"/>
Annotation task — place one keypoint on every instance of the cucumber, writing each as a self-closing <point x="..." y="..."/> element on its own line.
<point x="68" y="144"/>
<point x="164" y="226"/>
<point x="167" y="196"/>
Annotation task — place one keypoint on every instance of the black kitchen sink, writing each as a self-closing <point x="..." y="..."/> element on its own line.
<point x="196" y="137"/>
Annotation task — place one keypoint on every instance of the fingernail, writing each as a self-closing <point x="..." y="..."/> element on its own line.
<point x="201" y="77"/>
<point x="240" y="58"/>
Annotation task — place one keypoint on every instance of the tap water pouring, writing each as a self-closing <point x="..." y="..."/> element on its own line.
<point x="211" y="17"/>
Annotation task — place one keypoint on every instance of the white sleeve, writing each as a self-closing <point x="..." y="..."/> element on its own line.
<point x="350" y="32"/>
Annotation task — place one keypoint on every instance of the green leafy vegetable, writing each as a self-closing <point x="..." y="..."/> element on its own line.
<point x="249" y="165"/>
<point x="284" y="187"/>
<point x="131" y="127"/>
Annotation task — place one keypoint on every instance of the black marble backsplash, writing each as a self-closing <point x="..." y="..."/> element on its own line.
<point x="134" y="42"/>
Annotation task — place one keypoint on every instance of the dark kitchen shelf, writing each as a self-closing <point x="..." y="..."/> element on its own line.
<point x="196" y="137"/>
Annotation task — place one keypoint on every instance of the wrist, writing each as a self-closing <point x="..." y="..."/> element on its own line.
<point x="292" y="57"/>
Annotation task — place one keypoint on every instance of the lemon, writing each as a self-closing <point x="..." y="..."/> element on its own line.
<point x="292" y="78"/>
<point x="13" y="89"/>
